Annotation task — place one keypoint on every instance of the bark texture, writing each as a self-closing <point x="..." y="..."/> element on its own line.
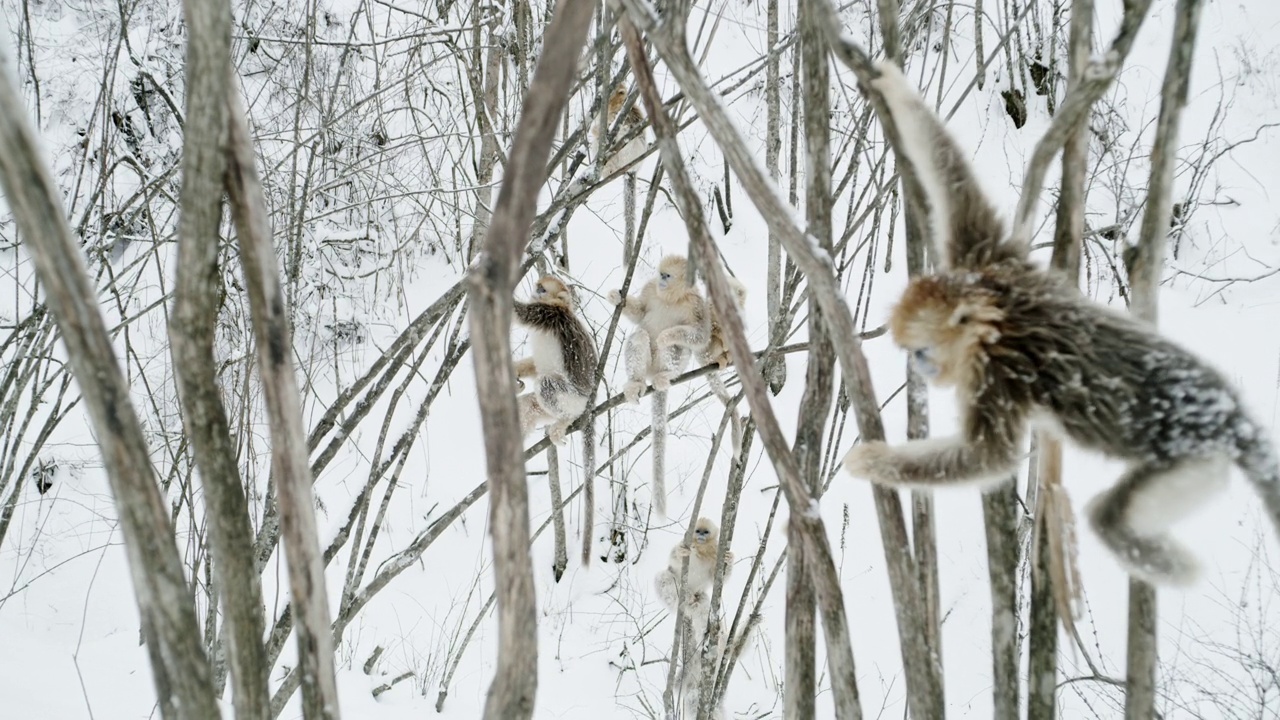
<point x="180" y="669"/>
<point x="289" y="462"/>
<point x="197" y="299"/>
<point x="492" y="282"/>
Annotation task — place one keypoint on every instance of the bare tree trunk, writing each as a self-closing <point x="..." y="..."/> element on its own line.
<point x="484" y="92"/>
<point x="289" y="462"/>
<point x="184" y="683"/>
<point x="197" y="299"/>
<point x="923" y="677"/>
<point x="775" y="370"/>
<point x="492" y="282"/>
<point x="807" y="522"/>
<point x="800" y="687"/>
<point x="815" y="403"/>
<point x="1000" y="516"/>
<point x="1145" y="265"/>
<point x="557" y="512"/>
<point x="1042" y="662"/>
<point x="1068" y="231"/>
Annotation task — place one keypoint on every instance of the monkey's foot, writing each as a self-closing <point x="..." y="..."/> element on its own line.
<point x="615" y="297"/>
<point x="662" y="381"/>
<point x="1158" y="560"/>
<point x="556" y="432"/>
<point x="631" y="391"/>
<point x="869" y="461"/>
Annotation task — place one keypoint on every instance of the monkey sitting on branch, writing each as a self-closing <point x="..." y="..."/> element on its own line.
<point x="633" y="122"/>
<point x="1021" y="345"/>
<point x="671" y="318"/>
<point x="563" y="361"/>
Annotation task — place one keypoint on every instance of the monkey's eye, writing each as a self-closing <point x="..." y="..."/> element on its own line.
<point x="540" y="290"/>
<point x="920" y="355"/>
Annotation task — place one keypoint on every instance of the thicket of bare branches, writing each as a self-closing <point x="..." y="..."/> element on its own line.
<point x="259" y="382"/>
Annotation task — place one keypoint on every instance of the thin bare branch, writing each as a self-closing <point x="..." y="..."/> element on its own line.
<point x="180" y="669"/>
<point x="289" y="466"/>
<point x="492" y="282"/>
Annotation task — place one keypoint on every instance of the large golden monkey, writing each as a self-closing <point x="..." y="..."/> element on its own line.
<point x="1020" y="344"/>
<point x="671" y="318"/>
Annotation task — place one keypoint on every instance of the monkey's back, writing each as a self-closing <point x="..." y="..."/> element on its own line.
<point x="572" y="335"/>
<point x="1111" y="383"/>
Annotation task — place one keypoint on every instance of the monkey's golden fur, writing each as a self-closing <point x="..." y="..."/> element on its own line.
<point x="702" y="571"/>
<point x="633" y="123"/>
<point x="1021" y="345"/>
<point x="671" y="317"/>
<point x="697" y="602"/>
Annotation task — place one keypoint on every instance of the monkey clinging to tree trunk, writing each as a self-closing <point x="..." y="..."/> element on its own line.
<point x="563" y="362"/>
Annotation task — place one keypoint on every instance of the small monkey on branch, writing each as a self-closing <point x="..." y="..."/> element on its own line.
<point x="1021" y="345"/>
<point x="633" y="122"/>
<point x="697" y="601"/>
<point x="671" y="317"/>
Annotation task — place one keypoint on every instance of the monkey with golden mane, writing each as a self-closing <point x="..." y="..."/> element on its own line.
<point x="1021" y="345"/>
<point x="563" y="360"/>
<point x="671" y="318"/>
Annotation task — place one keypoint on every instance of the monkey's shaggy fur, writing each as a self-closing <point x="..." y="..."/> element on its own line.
<point x="564" y="359"/>
<point x="1022" y="345"/>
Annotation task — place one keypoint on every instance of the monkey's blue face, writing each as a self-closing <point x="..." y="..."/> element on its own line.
<point x="539" y="290"/>
<point x="922" y="358"/>
<point x="701" y="534"/>
<point x="664" y="279"/>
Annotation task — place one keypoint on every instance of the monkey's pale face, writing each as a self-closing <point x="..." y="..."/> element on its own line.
<point x="672" y="272"/>
<point x="704" y="532"/>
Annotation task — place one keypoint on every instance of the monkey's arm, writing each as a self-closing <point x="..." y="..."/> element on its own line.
<point x="633" y="306"/>
<point x="986" y="454"/>
<point x="965" y="230"/>
<point x="523" y="313"/>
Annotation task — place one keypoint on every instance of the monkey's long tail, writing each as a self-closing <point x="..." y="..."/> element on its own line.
<point x="588" y="480"/>
<point x="660" y="451"/>
<point x="1258" y="461"/>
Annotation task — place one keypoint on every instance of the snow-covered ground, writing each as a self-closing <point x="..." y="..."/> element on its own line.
<point x="69" y="634"/>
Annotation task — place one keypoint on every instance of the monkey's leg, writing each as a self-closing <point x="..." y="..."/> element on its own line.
<point x="525" y="367"/>
<point x="562" y="403"/>
<point x="532" y="413"/>
<point x="638" y="358"/>
<point x="666" y="585"/>
<point x="1133" y="517"/>
<point x="671" y="361"/>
